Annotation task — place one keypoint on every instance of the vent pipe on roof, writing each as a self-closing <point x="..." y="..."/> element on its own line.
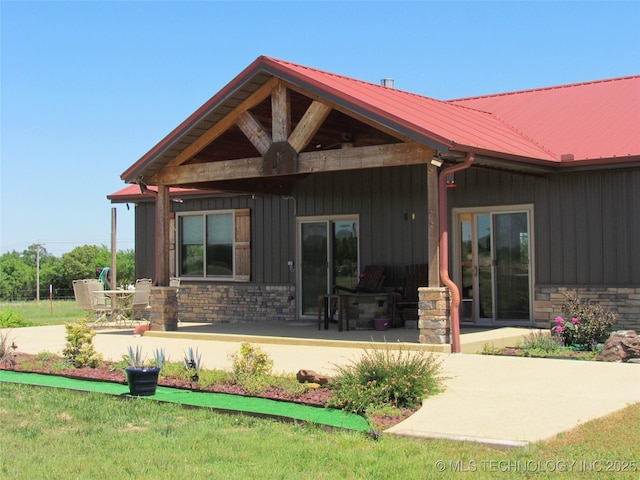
<point x="387" y="82"/>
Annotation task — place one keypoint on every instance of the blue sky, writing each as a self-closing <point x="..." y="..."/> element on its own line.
<point x="87" y="88"/>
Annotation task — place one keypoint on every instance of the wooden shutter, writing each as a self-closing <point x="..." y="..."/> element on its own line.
<point x="242" y="244"/>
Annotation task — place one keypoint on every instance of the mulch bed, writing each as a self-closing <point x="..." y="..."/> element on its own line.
<point x="109" y="372"/>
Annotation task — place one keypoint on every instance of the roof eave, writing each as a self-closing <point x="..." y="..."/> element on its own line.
<point x="131" y="174"/>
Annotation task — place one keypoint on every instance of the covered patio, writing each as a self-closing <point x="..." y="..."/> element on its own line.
<point x="472" y="339"/>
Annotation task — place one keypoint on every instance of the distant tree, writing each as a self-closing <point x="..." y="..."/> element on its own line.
<point x="126" y="272"/>
<point x="82" y="262"/>
<point x="49" y="265"/>
<point x="17" y="279"/>
<point x="18" y="270"/>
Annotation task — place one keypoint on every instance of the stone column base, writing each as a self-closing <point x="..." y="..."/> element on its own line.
<point x="433" y="315"/>
<point x="164" y="309"/>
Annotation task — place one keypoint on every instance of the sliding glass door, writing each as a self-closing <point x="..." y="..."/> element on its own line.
<point x="493" y="257"/>
<point x="327" y="254"/>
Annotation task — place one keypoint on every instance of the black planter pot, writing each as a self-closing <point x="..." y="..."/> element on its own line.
<point x="142" y="381"/>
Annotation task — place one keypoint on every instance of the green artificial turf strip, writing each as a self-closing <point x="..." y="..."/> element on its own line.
<point x="217" y="401"/>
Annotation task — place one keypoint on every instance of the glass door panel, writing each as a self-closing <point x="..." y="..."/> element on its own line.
<point x="313" y="261"/>
<point x="467" y="278"/>
<point x="511" y="235"/>
<point x="345" y="254"/>
<point x="484" y="266"/>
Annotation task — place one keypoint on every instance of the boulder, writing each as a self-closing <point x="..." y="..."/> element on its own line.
<point x="309" y="376"/>
<point x="621" y="346"/>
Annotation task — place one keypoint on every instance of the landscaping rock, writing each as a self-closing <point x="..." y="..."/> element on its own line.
<point x="621" y="346"/>
<point x="310" y="376"/>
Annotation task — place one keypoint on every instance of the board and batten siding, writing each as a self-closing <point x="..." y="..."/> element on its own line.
<point x="391" y="204"/>
<point x="145" y="246"/>
<point x="586" y="224"/>
<point x="272" y="233"/>
<point x="392" y="207"/>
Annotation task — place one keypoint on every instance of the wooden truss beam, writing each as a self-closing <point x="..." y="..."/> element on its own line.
<point x="309" y="125"/>
<point x="308" y="162"/>
<point x="255" y="132"/>
<point x="224" y="124"/>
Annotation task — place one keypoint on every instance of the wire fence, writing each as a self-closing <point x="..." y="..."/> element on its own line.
<point x="27" y="295"/>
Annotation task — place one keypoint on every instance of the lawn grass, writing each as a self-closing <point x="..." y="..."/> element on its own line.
<point x="57" y="312"/>
<point x="52" y="433"/>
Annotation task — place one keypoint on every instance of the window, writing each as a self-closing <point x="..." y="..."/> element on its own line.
<point x="214" y="245"/>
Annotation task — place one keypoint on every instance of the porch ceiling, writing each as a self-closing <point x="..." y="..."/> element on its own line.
<point x="337" y="133"/>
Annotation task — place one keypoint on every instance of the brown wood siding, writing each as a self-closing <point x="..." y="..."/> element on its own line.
<point x="587" y="224"/>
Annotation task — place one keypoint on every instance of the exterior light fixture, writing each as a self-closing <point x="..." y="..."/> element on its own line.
<point x="451" y="181"/>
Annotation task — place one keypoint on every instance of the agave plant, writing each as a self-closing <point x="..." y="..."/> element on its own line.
<point x="135" y="358"/>
<point x="192" y="362"/>
<point x="159" y="357"/>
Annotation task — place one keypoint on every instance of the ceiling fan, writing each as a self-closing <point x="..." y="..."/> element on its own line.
<point x="349" y="139"/>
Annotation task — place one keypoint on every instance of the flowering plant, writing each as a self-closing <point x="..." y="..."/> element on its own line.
<point x="568" y="331"/>
<point x="589" y="325"/>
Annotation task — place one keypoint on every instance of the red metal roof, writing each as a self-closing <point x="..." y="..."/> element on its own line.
<point x="450" y="125"/>
<point x="595" y="120"/>
<point x="132" y="193"/>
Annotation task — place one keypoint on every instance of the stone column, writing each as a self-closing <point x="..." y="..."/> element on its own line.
<point x="433" y="315"/>
<point x="164" y="309"/>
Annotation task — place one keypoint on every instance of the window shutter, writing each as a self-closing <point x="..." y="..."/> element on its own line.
<point x="242" y="243"/>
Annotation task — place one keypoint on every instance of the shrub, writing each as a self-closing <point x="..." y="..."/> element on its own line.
<point x="251" y="361"/>
<point x="590" y="323"/>
<point x="386" y="377"/>
<point x="12" y="319"/>
<point x="79" y="348"/>
<point x="540" y="343"/>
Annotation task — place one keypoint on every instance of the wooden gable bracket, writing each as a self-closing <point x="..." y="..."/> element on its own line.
<point x="280" y="151"/>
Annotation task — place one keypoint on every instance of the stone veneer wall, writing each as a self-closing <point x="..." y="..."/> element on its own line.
<point x="163" y="314"/>
<point x="235" y="302"/>
<point x="433" y="315"/>
<point x="624" y="301"/>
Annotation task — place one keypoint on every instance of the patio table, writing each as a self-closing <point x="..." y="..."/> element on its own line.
<point x="121" y="306"/>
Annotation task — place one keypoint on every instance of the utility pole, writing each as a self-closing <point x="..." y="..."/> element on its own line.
<point x="38" y="246"/>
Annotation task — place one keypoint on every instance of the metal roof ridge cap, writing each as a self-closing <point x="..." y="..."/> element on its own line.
<point x="352" y="102"/>
<point x="542" y="89"/>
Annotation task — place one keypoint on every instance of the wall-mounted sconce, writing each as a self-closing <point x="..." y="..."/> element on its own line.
<point x="451" y="181"/>
<point x="436" y="162"/>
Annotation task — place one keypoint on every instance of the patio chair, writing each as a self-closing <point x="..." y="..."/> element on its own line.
<point x="406" y="302"/>
<point x="370" y="281"/>
<point x="140" y="302"/>
<point x="174" y="282"/>
<point x="81" y="295"/>
<point x="101" y="304"/>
